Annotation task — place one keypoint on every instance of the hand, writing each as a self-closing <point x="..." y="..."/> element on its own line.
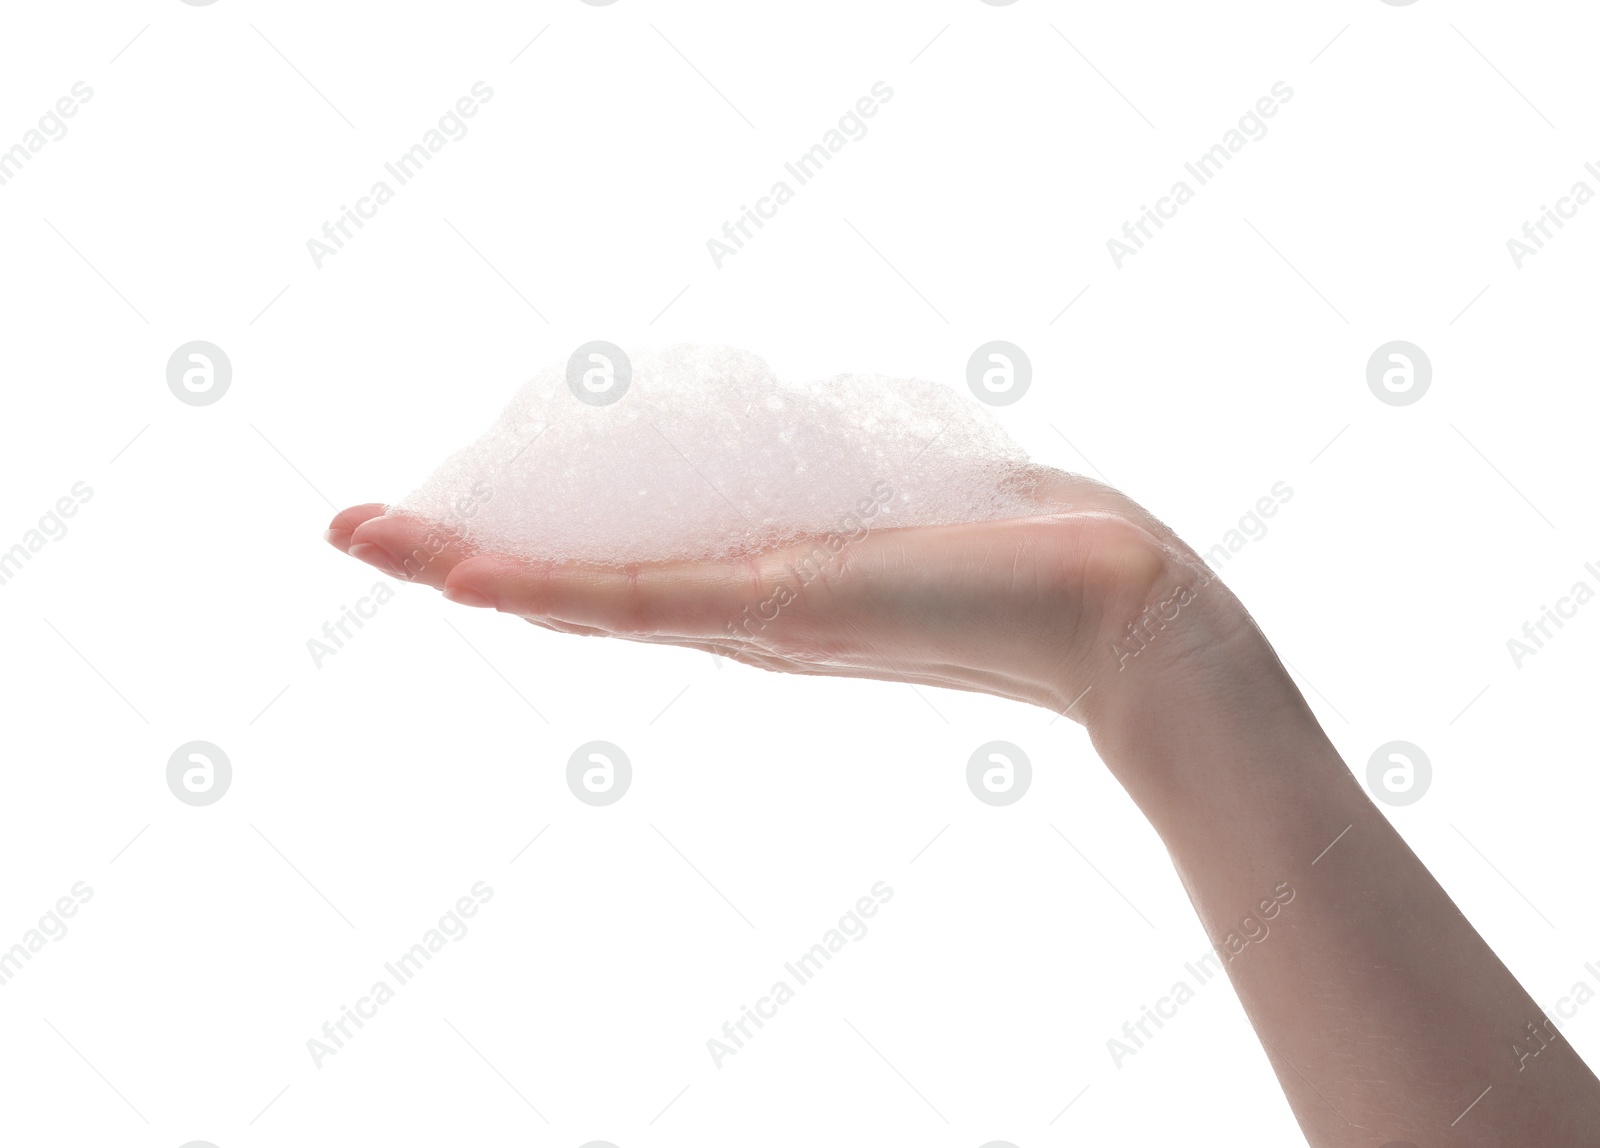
<point x="1032" y="609"/>
<point x="1094" y="609"/>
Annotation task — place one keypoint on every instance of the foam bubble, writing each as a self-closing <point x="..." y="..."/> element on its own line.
<point x="708" y="455"/>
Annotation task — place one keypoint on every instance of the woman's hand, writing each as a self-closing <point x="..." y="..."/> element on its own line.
<point x="1036" y="609"/>
<point x="1384" y="1014"/>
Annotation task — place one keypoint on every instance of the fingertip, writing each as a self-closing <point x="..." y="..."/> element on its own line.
<point x="376" y="556"/>
<point x="483" y="578"/>
<point x="462" y="596"/>
<point x="344" y="524"/>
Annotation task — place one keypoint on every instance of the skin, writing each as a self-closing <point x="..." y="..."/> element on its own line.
<point x="1382" y="1011"/>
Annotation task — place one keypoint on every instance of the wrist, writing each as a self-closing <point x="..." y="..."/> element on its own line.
<point x="1189" y="699"/>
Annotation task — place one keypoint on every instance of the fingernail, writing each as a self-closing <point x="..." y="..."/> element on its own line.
<point x="375" y="555"/>
<point x="464" y="597"/>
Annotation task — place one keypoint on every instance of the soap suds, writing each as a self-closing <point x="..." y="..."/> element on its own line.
<point x="708" y="455"/>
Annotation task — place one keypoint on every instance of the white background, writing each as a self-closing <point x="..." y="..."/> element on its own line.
<point x="372" y="792"/>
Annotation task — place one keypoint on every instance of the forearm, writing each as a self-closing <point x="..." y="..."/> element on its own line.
<point x="1384" y="1014"/>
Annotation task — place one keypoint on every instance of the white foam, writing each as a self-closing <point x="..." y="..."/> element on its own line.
<point x="708" y="455"/>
